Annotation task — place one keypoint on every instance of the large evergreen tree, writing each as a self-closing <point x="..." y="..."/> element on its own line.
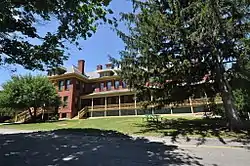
<point x="176" y="44"/>
<point x="19" y="20"/>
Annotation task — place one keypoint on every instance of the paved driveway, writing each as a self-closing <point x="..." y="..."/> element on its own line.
<point x="92" y="147"/>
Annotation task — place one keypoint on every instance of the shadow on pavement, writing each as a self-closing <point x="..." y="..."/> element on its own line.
<point x="199" y="128"/>
<point x="88" y="147"/>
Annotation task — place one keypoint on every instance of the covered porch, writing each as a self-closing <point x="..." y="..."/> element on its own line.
<point x="110" y="103"/>
<point x="125" y="102"/>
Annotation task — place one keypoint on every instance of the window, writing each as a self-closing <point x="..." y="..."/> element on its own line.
<point x="65" y="101"/>
<point x="61" y="85"/>
<point x="117" y="84"/>
<point x="64" y="115"/>
<point x="124" y="84"/>
<point x="67" y="85"/>
<point x="102" y="86"/>
<point x="109" y="85"/>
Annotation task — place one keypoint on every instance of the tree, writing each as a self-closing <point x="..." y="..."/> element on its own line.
<point x="240" y="86"/>
<point x="27" y="92"/>
<point x="19" y="33"/>
<point x="174" y="43"/>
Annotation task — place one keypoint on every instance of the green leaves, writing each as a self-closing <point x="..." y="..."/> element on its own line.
<point x="77" y="19"/>
<point x="23" y="92"/>
<point x="172" y="43"/>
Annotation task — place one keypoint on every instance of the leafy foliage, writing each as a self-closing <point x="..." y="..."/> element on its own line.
<point x="240" y="85"/>
<point x="173" y="44"/>
<point x="25" y="92"/>
<point x="7" y="112"/>
<point x="18" y="29"/>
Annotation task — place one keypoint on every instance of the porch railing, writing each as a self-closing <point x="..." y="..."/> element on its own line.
<point x="25" y="115"/>
<point x="82" y="112"/>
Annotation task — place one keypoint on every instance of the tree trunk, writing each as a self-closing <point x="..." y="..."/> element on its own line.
<point x="30" y="112"/>
<point x="31" y="115"/>
<point x="34" y="118"/>
<point x="232" y="114"/>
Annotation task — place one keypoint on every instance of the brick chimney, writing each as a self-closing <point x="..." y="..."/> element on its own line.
<point x="99" y="67"/>
<point x="81" y="66"/>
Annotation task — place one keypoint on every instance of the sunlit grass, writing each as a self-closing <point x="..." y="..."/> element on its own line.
<point x="172" y="126"/>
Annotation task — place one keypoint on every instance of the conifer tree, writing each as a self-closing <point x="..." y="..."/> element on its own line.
<point x="173" y="45"/>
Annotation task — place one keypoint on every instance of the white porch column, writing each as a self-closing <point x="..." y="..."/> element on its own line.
<point x="135" y="104"/>
<point x="151" y="98"/>
<point x="92" y="107"/>
<point x="105" y="112"/>
<point x="119" y="100"/>
<point x="191" y="105"/>
<point x="92" y="104"/>
<point x="171" y="109"/>
<point x="207" y="102"/>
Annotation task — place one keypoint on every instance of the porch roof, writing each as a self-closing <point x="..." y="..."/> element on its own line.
<point x="108" y="93"/>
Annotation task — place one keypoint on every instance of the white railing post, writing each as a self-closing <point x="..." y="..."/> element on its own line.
<point x="92" y="104"/>
<point x="119" y="105"/>
<point x="135" y="104"/>
<point x="191" y="105"/>
<point x="171" y="108"/>
<point x="16" y="117"/>
<point x="105" y="112"/>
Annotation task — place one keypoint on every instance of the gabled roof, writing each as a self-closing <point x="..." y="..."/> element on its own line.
<point x="92" y="75"/>
<point x="89" y="75"/>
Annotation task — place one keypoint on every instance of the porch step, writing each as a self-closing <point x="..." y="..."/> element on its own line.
<point x="76" y="117"/>
<point x="82" y="112"/>
<point x="25" y="115"/>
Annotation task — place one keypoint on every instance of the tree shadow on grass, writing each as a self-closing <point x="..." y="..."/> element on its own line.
<point x="88" y="147"/>
<point x="200" y="128"/>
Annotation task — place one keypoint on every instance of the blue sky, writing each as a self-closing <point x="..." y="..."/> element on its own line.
<point x="95" y="50"/>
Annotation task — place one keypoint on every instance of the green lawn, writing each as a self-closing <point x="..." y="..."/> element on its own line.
<point x="173" y="126"/>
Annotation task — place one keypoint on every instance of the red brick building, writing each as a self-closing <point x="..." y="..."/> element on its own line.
<point x="101" y="91"/>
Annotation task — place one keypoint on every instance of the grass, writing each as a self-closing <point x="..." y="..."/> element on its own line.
<point x="127" y="125"/>
<point x="173" y="126"/>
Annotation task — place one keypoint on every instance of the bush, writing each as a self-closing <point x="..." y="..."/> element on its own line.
<point x="26" y="92"/>
<point x="218" y="110"/>
<point x="7" y="112"/>
<point x="242" y="102"/>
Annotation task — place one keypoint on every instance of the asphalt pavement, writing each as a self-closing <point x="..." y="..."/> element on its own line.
<point x="93" y="147"/>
